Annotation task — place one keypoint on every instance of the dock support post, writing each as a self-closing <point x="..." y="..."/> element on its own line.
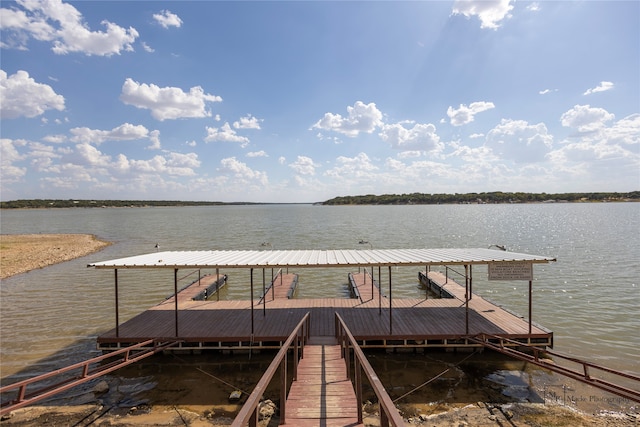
<point x="252" y="302"/>
<point x="218" y="284"/>
<point x="466" y="298"/>
<point x="175" y="296"/>
<point x="264" y="294"/>
<point x="530" y="304"/>
<point x="470" y="281"/>
<point x="390" y="305"/>
<point x="117" y="315"/>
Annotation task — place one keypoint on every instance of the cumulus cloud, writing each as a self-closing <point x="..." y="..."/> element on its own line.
<point x="464" y="114"/>
<point x="357" y="167"/>
<point x="520" y="141"/>
<point x="167" y="19"/>
<point x="241" y="172"/>
<point x="602" y="87"/>
<point x="419" y="137"/>
<point x="304" y="166"/>
<point x="9" y="155"/>
<point x="490" y="12"/>
<point x="168" y="102"/>
<point x="21" y="96"/>
<point x="124" y="132"/>
<point x="260" y="153"/>
<point x="361" y="118"/>
<point x="585" y="118"/>
<point x="225" y="134"/>
<point x="248" y="122"/>
<point x="62" y="25"/>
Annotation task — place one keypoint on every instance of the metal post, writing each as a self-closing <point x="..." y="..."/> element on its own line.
<point x="252" y="302"/>
<point x="466" y="298"/>
<point x="175" y="296"/>
<point x="264" y="294"/>
<point x="530" y="304"/>
<point x="470" y="281"/>
<point x="117" y="313"/>
<point x="390" y="305"/>
<point x="218" y="283"/>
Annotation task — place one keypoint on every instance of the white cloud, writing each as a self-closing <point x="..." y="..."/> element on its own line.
<point x="225" y="134"/>
<point x="533" y="7"/>
<point x="124" y="132"/>
<point x="260" y="153"/>
<point x="464" y="114"/>
<point x="419" y="137"/>
<point x="248" y="122"/>
<point x="8" y="156"/>
<point x="168" y="102"/>
<point x="62" y="25"/>
<point x="490" y="12"/>
<point x="304" y="166"/>
<point x="584" y="118"/>
<point x="604" y="86"/>
<point x="361" y="118"/>
<point x="21" y="96"/>
<point x="547" y="91"/>
<point x="519" y="141"/>
<point x="241" y="172"/>
<point x="147" y="48"/>
<point x="350" y="168"/>
<point x="167" y="19"/>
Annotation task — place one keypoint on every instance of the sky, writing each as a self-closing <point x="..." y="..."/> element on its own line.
<point x="303" y="101"/>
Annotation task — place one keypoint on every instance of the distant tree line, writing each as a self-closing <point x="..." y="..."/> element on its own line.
<point x="74" y="203"/>
<point x="492" y="197"/>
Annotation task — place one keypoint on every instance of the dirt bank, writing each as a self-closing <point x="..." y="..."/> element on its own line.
<point x="20" y="253"/>
<point x="480" y="415"/>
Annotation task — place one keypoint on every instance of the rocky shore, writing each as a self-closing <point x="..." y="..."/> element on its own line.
<point x="20" y="253"/>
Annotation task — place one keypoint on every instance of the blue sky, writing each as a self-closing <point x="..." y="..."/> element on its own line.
<point x="305" y="101"/>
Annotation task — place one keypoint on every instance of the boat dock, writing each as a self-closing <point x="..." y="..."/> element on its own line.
<point x="375" y="321"/>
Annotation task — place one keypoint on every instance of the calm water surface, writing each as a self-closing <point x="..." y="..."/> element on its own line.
<point x="590" y="298"/>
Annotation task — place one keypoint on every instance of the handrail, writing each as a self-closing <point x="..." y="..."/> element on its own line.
<point x="388" y="412"/>
<point x="249" y="412"/>
<point x="24" y="399"/>
<point x="270" y="287"/>
<point x="584" y="375"/>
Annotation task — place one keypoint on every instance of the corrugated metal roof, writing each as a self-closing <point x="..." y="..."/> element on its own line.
<point x="318" y="258"/>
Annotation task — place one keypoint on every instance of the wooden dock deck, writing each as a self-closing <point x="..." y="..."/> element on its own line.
<point x="363" y="286"/>
<point x="283" y="286"/>
<point x="322" y="395"/>
<point x="409" y="322"/>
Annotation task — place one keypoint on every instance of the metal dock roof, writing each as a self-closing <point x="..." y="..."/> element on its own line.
<point x="318" y="258"/>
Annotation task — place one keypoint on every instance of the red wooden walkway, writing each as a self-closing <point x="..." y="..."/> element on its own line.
<point x="322" y="395"/>
<point x="282" y="287"/>
<point x="367" y="287"/>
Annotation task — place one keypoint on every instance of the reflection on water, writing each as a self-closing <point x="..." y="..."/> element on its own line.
<point x="589" y="298"/>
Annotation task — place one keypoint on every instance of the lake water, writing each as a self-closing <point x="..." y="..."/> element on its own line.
<point x="589" y="298"/>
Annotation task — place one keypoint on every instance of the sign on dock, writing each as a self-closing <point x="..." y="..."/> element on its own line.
<point x="510" y="271"/>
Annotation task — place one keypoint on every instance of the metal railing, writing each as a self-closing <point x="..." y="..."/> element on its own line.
<point x="389" y="414"/>
<point x="125" y="356"/>
<point x="583" y="374"/>
<point x="271" y="287"/>
<point x="249" y="412"/>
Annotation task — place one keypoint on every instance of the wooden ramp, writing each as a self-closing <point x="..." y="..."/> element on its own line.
<point x="322" y="395"/>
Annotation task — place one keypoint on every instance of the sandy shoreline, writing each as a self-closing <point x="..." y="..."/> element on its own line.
<point x="20" y="253"/>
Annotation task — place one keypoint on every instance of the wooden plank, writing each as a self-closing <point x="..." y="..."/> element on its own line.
<point x="322" y="395"/>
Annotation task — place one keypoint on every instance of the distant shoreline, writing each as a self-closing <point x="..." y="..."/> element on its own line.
<point x="496" y="197"/>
